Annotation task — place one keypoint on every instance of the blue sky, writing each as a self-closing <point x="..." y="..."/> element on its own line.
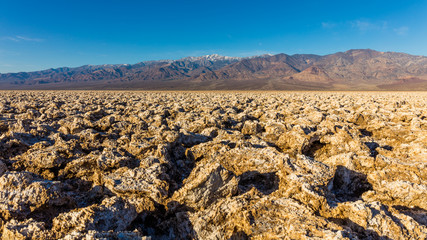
<point x="37" y="35"/>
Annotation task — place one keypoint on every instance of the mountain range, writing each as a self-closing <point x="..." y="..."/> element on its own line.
<point x="357" y="69"/>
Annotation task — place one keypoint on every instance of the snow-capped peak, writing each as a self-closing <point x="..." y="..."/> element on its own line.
<point x="210" y="57"/>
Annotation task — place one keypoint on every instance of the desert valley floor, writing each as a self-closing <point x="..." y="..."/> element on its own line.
<point x="213" y="165"/>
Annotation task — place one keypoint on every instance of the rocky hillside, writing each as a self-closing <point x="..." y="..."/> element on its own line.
<point x="354" y="69"/>
<point x="168" y="165"/>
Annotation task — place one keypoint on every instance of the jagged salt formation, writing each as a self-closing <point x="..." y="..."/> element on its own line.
<point x="205" y="165"/>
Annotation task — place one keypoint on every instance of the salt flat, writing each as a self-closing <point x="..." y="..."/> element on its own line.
<point x="213" y="165"/>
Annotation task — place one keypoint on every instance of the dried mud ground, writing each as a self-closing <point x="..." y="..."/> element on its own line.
<point x="213" y="165"/>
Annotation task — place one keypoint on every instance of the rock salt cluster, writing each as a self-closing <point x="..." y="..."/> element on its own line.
<point x="213" y="165"/>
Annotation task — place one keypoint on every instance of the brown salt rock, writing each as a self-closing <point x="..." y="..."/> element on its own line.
<point x="22" y="193"/>
<point x="378" y="220"/>
<point x="251" y="128"/>
<point x="244" y="159"/>
<point x="12" y="145"/>
<point x="210" y="132"/>
<point x="402" y="193"/>
<point x="148" y="181"/>
<point x="206" y="150"/>
<point x="112" y="214"/>
<point x="254" y="216"/>
<point x="111" y="159"/>
<point x="306" y="181"/>
<point x="42" y="161"/>
<point x="138" y="146"/>
<point x="273" y="130"/>
<point x="84" y="168"/>
<point x="190" y="139"/>
<point x="293" y="141"/>
<point x="207" y="183"/>
<point x="27" y="229"/>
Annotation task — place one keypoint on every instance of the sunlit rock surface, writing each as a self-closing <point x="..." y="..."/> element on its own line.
<point x="213" y="165"/>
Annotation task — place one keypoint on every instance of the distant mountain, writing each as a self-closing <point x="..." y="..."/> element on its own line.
<point x="360" y="69"/>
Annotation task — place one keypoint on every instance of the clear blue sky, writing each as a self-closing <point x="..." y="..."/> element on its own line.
<point x="37" y="35"/>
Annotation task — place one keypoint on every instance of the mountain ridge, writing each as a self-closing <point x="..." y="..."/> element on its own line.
<point x="355" y="69"/>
